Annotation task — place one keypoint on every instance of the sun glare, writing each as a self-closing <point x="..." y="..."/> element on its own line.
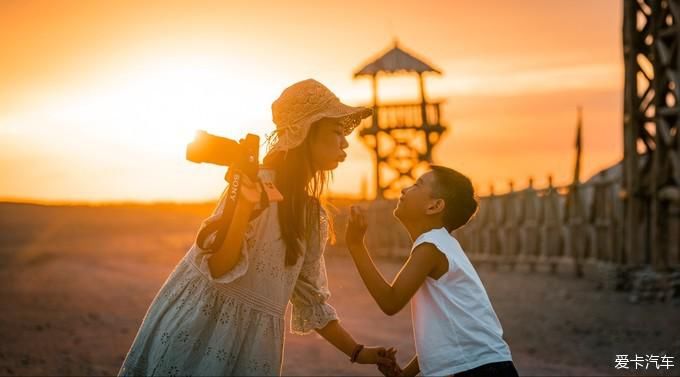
<point x="134" y="122"/>
<point x="159" y="105"/>
<point x="101" y="99"/>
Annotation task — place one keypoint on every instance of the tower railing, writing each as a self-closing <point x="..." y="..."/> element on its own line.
<point x="407" y="115"/>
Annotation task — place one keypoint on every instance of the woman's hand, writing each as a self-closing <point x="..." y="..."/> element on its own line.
<point x="250" y="191"/>
<point x="371" y="355"/>
<point x="356" y="227"/>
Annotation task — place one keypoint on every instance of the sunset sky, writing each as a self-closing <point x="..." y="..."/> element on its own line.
<point x="99" y="98"/>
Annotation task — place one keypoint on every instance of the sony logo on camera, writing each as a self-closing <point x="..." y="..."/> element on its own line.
<point x="233" y="190"/>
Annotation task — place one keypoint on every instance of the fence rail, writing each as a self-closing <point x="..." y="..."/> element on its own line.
<point x="576" y="229"/>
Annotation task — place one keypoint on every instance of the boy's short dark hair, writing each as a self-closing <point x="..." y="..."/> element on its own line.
<point x="458" y="194"/>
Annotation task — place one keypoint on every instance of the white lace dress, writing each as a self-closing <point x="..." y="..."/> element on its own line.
<point x="233" y="325"/>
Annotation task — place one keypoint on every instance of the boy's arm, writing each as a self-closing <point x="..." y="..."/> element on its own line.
<point x="412" y="368"/>
<point x="391" y="298"/>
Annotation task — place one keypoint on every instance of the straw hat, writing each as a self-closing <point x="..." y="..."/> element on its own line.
<point x="302" y="104"/>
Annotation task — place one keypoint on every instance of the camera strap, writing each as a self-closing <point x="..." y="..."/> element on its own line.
<point x="230" y="228"/>
<point x="262" y="205"/>
<point x="273" y="194"/>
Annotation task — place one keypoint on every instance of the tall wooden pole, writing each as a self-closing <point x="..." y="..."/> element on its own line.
<point x="423" y="116"/>
<point x="631" y="120"/>
<point x="577" y="163"/>
<point x="378" y="186"/>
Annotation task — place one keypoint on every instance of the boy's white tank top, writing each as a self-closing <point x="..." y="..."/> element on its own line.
<point x="454" y="324"/>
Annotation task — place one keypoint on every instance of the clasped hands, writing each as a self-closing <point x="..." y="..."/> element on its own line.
<point x="387" y="363"/>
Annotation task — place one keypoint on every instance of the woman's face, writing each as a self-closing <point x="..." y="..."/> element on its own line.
<point x="328" y="145"/>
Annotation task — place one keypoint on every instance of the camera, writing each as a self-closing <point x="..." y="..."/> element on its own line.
<point x="215" y="149"/>
<point x="242" y="156"/>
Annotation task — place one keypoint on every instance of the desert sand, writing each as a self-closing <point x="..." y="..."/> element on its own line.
<point x="75" y="282"/>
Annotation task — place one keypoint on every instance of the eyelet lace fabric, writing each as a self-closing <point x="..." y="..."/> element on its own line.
<point x="233" y="325"/>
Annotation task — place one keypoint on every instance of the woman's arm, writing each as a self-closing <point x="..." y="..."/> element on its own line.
<point x="336" y="335"/>
<point x="226" y="258"/>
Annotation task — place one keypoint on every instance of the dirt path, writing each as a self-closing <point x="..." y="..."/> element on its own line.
<point x="73" y="297"/>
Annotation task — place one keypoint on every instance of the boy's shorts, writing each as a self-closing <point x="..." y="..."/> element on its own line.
<point x="499" y="369"/>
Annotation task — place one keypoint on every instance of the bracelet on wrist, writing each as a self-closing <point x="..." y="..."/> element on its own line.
<point x="355" y="353"/>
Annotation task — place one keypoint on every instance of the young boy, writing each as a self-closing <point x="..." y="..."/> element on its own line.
<point x="455" y="327"/>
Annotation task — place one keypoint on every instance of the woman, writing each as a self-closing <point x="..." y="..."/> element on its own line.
<point x="233" y="324"/>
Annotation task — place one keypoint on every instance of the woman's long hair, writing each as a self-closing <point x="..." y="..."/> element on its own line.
<point x="301" y="186"/>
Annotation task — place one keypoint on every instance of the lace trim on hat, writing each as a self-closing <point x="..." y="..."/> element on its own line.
<point x="291" y="136"/>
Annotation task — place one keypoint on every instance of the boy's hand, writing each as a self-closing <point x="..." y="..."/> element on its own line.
<point x="387" y="363"/>
<point x="356" y="227"/>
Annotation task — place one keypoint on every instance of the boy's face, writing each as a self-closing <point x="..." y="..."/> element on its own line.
<point x="416" y="201"/>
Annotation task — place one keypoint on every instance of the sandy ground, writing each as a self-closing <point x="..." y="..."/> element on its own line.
<point x="75" y="283"/>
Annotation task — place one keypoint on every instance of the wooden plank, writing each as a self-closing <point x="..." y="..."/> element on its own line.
<point x="675" y="165"/>
<point x="662" y="51"/>
<point x="670" y="194"/>
<point x="663" y="132"/>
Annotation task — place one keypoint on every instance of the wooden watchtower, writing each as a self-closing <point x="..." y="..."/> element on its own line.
<point x="401" y="135"/>
<point x="651" y="129"/>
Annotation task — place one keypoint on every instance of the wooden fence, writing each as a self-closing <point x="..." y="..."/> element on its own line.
<point x="576" y="229"/>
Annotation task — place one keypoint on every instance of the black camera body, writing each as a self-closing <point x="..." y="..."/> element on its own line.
<point x="243" y="155"/>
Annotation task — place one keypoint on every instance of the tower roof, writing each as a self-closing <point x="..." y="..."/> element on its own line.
<point x="394" y="61"/>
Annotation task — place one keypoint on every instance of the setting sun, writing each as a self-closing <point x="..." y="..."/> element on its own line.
<point x="123" y="95"/>
<point x="487" y="187"/>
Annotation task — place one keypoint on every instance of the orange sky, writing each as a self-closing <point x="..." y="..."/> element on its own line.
<point x="99" y="98"/>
